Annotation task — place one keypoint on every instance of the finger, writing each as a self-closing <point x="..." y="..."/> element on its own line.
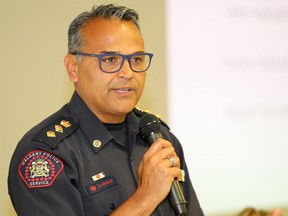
<point x="167" y="152"/>
<point x="161" y="149"/>
<point x="177" y="173"/>
<point x="173" y="161"/>
<point x="160" y="144"/>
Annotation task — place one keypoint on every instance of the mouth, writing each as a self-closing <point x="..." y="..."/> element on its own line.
<point x="124" y="90"/>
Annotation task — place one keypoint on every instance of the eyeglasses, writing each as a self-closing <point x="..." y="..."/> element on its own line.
<point x="113" y="62"/>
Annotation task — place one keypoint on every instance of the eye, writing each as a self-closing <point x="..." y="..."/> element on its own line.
<point x="110" y="59"/>
<point x="138" y="59"/>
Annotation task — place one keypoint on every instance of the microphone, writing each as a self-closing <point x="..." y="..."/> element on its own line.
<point x="149" y="127"/>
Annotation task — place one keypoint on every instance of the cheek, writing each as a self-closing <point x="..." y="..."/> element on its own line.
<point x="88" y="81"/>
<point x="99" y="84"/>
<point x="89" y="75"/>
<point x="142" y="79"/>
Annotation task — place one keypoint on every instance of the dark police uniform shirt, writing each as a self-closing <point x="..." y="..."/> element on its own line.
<point x="70" y="164"/>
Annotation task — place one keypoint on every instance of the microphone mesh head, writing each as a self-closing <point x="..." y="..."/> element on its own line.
<point x="149" y="124"/>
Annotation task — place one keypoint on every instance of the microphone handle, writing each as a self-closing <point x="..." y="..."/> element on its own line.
<point x="176" y="197"/>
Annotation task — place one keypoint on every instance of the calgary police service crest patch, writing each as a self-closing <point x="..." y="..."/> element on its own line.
<point x="40" y="169"/>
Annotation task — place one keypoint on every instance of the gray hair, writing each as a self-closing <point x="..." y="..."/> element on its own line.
<point x="75" y="38"/>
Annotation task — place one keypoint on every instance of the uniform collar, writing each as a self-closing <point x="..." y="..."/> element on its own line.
<point x="93" y="128"/>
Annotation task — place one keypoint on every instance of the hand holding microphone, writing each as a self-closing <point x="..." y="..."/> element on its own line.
<point x="162" y="152"/>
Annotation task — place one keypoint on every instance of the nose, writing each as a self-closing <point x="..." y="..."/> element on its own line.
<point x="126" y="71"/>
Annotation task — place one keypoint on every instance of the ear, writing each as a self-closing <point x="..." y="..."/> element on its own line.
<point x="71" y="65"/>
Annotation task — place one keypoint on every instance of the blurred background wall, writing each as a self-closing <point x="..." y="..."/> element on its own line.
<point x="34" y="83"/>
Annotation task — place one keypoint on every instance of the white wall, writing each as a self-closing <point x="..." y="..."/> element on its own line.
<point x="228" y="99"/>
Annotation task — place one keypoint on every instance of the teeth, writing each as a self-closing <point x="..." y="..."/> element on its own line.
<point x="123" y="90"/>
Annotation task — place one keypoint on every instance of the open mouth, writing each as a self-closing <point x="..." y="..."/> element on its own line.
<point x="123" y="90"/>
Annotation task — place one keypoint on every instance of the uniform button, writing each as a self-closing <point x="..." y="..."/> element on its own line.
<point x="112" y="206"/>
<point x="97" y="143"/>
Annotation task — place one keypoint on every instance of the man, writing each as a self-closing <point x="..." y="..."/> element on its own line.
<point x="89" y="157"/>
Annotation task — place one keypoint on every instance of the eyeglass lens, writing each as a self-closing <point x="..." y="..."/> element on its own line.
<point x="112" y="63"/>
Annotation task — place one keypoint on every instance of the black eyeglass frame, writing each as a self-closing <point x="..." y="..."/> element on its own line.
<point x="128" y="57"/>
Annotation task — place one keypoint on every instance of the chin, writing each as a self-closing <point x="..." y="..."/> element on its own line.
<point x="124" y="109"/>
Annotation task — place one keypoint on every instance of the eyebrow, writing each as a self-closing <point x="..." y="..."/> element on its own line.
<point x="115" y="52"/>
<point x="109" y="52"/>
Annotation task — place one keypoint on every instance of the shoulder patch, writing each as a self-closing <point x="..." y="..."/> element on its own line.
<point x="39" y="169"/>
<point x="54" y="133"/>
<point x="140" y="113"/>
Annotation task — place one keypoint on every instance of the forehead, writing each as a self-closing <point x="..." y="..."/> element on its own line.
<point x="111" y="32"/>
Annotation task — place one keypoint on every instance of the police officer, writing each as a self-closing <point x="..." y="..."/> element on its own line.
<point x="89" y="158"/>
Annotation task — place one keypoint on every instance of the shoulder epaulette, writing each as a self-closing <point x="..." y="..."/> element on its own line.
<point x="57" y="131"/>
<point x="140" y="113"/>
